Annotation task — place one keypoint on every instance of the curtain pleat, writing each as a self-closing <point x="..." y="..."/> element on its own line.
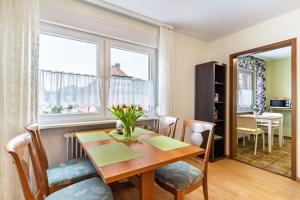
<point x="19" y="22"/>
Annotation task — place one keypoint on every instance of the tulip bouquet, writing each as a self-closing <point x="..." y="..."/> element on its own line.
<point x="128" y="115"/>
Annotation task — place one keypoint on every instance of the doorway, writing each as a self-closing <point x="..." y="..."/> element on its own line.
<point x="251" y="112"/>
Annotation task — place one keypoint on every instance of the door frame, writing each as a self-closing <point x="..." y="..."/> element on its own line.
<point x="233" y="92"/>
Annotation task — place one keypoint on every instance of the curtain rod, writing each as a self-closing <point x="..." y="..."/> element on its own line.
<point x="127" y="12"/>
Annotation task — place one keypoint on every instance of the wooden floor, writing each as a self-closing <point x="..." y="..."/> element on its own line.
<point x="230" y="180"/>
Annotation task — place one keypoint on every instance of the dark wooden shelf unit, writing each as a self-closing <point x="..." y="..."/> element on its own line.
<point x="211" y="79"/>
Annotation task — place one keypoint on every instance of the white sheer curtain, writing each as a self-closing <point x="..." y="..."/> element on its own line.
<point x="166" y="64"/>
<point x="73" y="92"/>
<point x="18" y="60"/>
<point x="131" y="91"/>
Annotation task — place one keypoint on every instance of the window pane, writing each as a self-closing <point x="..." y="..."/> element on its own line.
<point x="68" y="80"/>
<point x="245" y="92"/>
<point x="129" y="81"/>
<point x="129" y="64"/>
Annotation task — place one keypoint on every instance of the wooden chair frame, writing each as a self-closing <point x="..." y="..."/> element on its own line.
<point x="16" y="147"/>
<point x="34" y="131"/>
<point x="167" y="121"/>
<point x="196" y="139"/>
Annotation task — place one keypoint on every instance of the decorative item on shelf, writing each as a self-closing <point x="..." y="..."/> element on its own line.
<point x="216" y="99"/>
<point x="128" y="115"/>
<point x="215" y="114"/>
<point x="255" y="109"/>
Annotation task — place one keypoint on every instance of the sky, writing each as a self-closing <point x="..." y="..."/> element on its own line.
<point x="68" y="55"/>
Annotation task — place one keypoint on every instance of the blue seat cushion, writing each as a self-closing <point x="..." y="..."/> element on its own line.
<point x="71" y="171"/>
<point x="90" y="189"/>
<point x="178" y="175"/>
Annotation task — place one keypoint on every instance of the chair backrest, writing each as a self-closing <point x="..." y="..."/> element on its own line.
<point x="17" y="147"/>
<point x="200" y="131"/>
<point x="166" y="125"/>
<point x="248" y="122"/>
<point x="34" y="131"/>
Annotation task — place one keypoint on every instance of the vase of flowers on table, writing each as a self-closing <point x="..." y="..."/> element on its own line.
<point x="128" y="115"/>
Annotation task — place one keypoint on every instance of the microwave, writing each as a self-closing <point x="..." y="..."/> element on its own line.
<point x="280" y="103"/>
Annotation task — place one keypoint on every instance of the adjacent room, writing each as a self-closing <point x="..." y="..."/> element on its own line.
<point x="149" y="100"/>
<point x="264" y="94"/>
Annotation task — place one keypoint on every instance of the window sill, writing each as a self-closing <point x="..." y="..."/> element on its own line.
<point x="86" y="123"/>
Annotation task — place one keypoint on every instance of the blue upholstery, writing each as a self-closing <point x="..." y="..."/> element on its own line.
<point x="178" y="175"/>
<point x="71" y="171"/>
<point x="90" y="189"/>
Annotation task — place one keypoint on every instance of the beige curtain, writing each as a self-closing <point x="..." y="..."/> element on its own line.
<point x="166" y="70"/>
<point x="18" y="61"/>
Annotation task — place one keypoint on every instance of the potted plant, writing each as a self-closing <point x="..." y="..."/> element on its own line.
<point x="128" y="115"/>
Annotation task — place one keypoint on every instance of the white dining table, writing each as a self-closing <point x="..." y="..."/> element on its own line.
<point x="270" y="120"/>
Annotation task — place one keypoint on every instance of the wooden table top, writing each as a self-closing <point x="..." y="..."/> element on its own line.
<point x="152" y="158"/>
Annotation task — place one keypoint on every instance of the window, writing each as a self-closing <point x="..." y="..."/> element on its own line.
<point x="245" y="90"/>
<point x="130" y="80"/>
<point x="68" y="81"/>
<point x="74" y="77"/>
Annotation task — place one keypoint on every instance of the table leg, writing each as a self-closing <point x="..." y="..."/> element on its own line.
<point x="280" y="133"/>
<point x="147" y="185"/>
<point x="270" y="136"/>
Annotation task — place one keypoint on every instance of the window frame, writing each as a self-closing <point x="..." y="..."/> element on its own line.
<point x="252" y="83"/>
<point x="103" y="70"/>
<point x="153" y="71"/>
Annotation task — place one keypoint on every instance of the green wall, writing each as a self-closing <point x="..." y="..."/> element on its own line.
<point x="278" y="84"/>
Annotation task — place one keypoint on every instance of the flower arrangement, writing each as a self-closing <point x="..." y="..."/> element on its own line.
<point x="128" y="115"/>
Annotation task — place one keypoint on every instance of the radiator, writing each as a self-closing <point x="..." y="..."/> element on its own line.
<point x="73" y="147"/>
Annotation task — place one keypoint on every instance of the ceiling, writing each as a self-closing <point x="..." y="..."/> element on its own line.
<point x="274" y="54"/>
<point x="208" y="19"/>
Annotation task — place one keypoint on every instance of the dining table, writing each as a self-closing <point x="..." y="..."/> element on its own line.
<point x="149" y="157"/>
<point x="269" y="120"/>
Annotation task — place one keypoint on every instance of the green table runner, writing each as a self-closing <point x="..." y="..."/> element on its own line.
<point x="109" y="154"/>
<point x="93" y="136"/>
<point x="165" y="143"/>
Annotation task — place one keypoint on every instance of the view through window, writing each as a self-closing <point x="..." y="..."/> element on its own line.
<point x="67" y="76"/>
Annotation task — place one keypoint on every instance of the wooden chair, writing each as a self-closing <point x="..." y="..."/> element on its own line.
<point x="181" y="178"/>
<point x="166" y="125"/>
<point x="63" y="174"/>
<point x="247" y="125"/>
<point x="89" y="189"/>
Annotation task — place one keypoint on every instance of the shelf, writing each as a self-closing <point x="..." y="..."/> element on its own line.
<point x="218" y="83"/>
<point x="219" y="102"/>
<point x="219" y="120"/>
<point x="217" y="137"/>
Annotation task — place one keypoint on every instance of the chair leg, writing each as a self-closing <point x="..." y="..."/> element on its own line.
<point x="263" y="141"/>
<point x="178" y="196"/>
<point x="205" y="188"/>
<point x="244" y="139"/>
<point x="255" y="146"/>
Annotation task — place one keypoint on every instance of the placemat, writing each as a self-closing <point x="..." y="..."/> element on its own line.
<point x="109" y="154"/>
<point x="93" y="136"/>
<point x="165" y="143"/>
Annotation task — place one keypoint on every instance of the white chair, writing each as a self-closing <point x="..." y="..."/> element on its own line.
<point x="275" y="125"/>
<point x="247" y="125"/>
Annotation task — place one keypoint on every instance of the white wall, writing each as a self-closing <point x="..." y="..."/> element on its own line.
<point x="275" y="30"/>
<point x="188" y="53"/>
